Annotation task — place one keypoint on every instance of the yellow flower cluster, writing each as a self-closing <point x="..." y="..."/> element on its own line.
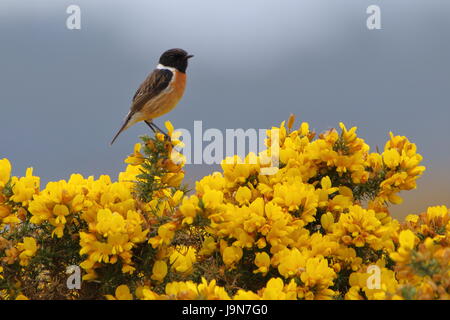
<point x="23" y="250"/>
<point x="423" y="255"/>
<point x="360" y="227"/>
<point x="186" y="291"/>
<point x="402" y="168"/>
<point x="312" y="230"/>
<point x="15" y="193"/>
<point x="422" y="261"/>
<point x="96" y="223"/>
<point x="189" y="290"/>
<point x="306" y="221"/>
<point x="359" y="285"/>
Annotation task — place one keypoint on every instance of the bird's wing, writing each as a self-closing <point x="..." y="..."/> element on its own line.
<point x="155" y="83"/>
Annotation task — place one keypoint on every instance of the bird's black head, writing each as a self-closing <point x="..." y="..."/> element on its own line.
<point x="175" y="58"/>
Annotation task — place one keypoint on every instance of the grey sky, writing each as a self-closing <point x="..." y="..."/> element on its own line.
<point x="64" y="93"/>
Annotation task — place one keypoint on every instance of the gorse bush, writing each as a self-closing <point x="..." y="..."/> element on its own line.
<point x="313" y="230"/>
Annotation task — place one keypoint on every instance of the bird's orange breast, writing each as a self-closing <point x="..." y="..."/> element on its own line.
<point x="178" y="85"/>
<point x="166" y="100"/>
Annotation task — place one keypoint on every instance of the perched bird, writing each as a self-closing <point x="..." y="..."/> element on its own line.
<point x="160" y="92"/>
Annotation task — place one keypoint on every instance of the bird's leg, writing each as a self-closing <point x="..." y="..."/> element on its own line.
<point x="154" y="126"/>
<point x="150" y="125"/>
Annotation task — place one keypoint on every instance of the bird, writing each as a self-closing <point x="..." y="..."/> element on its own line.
<point x="160" y="92"/>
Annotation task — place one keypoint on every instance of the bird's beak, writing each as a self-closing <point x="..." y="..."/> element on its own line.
<point x="189" y="56"/>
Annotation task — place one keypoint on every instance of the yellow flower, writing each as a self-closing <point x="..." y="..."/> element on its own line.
<point x="122" y="293"/>
<point x="261" y="243"/>
<point x="262" y="261"/>
<point x="182" y="290"/>
<point x="231" y="255"/>
<point x="273" y="290"/>
<point x="297" y="196"/>
<point x="319" y="275"/>
<point x="360" y="280"/>
<point x="208" y="247"/>
<point x="129" y="175"/>
<point x="354" y="293"/>
<point x="212" y="198"/>
<point x="412" y="218"/>
<point x="28" y="249"/>
<point x="327" y="186"/>
<point x="136" y="158"/>
<point x="109" y="223"/>
<point x="5" y="172"/>
<point x="144" y="293"/>
<point x="391" y="158"/>
<point x="246" y="295"/>
<point x="24" y="188"/>
<point x="189" y="208"/>
<point x="182" y="259"/>
<point x="60" y="211"/>
<point x="291" y="262"/>
<point x="243" y="195"/>
<point x="236" y="170"/>
<point x="159" y="271"/>
<point x="191" y="291"/>
<point x="304" y="129"/>
<point x="165" y="235"/>
<point x="21" y="297"/>
<point x="215" y="181"/>
<point x="360" y="227"/>
<point x="4" y="211"/>
<point x="160" y="136"/>
<point x="437" y="212"/>
<point x="169" y="128"/>
<point x="276" y="290"/>
<point x="327" y="221"/>
<point x="407" y="239"/>
<point x="211" y="291"/>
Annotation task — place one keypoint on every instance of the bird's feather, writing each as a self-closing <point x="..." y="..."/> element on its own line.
<point x="155" y="83"/>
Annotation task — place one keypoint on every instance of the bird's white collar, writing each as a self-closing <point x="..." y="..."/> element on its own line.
<point x="163" y="67"/>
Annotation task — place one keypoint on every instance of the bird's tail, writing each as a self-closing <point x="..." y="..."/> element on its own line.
<point x="124" y="127"/>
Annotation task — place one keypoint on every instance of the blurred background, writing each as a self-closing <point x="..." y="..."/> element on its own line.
<point x="64" y="93"/>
